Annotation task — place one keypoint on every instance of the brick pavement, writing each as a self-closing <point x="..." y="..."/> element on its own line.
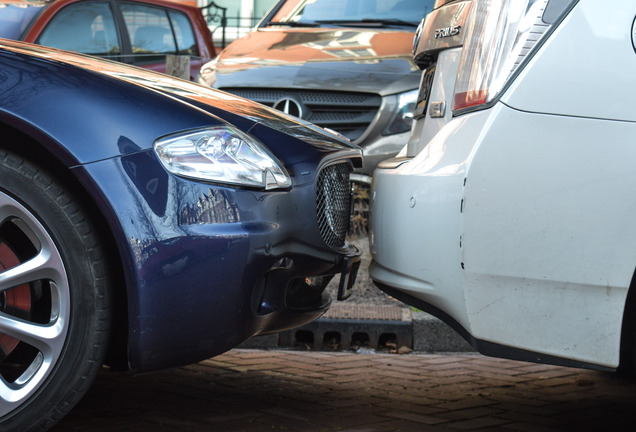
<point x="251" y="390"/>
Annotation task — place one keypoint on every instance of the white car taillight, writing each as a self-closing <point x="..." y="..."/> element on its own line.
<point x="500" y="35"/>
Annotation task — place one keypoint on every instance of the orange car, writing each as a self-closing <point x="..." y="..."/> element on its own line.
<point x="139" y="32"/>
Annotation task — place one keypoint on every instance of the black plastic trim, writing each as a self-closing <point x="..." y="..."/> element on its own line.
<point x="634" y="34"/>
<point x="269" y="15"/>
<point x="628" y="334"/>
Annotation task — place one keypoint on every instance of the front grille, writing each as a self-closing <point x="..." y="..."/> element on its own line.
<point x="348" y="113"/>
<point x="333" y="199"/>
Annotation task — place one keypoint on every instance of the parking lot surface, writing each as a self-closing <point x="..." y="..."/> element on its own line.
<point x="261" y="390"/>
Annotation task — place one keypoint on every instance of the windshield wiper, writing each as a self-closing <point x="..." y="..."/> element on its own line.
<point x="370" y="22"/>
<point x="293" y="24"/>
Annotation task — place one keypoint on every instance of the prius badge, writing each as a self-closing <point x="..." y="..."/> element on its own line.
<point x="445" y="32"/>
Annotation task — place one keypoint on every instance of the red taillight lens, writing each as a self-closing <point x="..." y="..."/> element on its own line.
<point x="501" y="34"/>
<point x="470" y="99"/>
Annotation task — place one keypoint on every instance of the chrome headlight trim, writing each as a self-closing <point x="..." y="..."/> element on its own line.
<point x="222" y="154"/>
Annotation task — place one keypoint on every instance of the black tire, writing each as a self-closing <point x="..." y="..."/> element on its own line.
<point x="55" y="315"/>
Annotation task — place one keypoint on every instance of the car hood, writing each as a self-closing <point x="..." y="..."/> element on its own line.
<point x="367" y="60"/>
<point x="225" y="107"/>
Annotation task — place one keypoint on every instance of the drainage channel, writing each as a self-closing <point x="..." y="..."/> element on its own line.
<point x="355" y="327"/>
<point x="347" y="327"/>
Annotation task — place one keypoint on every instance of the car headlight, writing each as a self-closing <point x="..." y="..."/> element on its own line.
<point x="222" y="154"/>
<point x="403" y="117"/>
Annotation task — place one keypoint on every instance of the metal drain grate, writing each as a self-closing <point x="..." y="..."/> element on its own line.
<point x="378" y="325"/>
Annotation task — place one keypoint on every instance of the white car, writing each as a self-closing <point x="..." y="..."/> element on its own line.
<point x="511" y="213"/>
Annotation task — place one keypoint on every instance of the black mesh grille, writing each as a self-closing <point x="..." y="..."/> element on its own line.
<point x="345" y="112"/>
<point x="333" y="199"/>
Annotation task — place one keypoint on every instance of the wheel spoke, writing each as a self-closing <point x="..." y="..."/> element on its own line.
<point x="48" y="339"/>
<point x="46" y="265"/>
<point x="7" y="393"/>
<point x="43" y="266"/>
<point x="7" y="209"/>
<point x="11" y="394"/>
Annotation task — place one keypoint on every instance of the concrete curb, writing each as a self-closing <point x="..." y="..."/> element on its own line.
<point x="369" y="327"/>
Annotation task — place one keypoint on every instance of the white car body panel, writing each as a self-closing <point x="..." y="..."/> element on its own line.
<point x="517" y="221"/>
<point x="584" y="70"/>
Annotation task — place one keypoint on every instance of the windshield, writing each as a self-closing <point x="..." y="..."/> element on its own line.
<point x="14" y="18"/>
<point x="358" y="11"/>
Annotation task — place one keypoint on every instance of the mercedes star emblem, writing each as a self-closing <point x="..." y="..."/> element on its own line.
<point x="289" y="106"/>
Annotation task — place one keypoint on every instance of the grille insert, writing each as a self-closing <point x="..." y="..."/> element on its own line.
<point x="349" y="113"/>
<point x="333" y="199"/>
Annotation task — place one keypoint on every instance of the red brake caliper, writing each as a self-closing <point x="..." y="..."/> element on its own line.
<point x="15" y="302"/>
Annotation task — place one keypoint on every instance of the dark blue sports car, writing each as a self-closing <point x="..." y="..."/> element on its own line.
<point x="147" y="223"/>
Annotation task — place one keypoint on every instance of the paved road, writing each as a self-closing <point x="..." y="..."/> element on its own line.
<point x="251" y="390"/>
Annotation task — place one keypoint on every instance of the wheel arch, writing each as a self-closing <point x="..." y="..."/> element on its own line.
<point x="628" y="331"/>
<point x="37" y="147"/>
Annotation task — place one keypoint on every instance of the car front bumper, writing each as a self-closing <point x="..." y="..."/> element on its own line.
<point x="209" y="266"/>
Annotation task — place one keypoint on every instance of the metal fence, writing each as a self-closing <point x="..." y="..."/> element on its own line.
<point x="226" y="29"/>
